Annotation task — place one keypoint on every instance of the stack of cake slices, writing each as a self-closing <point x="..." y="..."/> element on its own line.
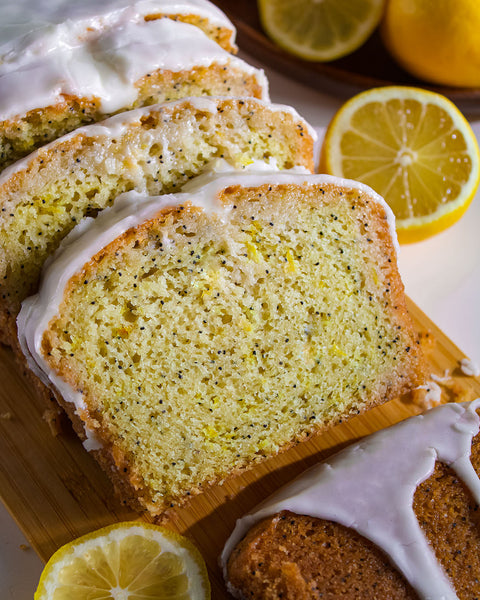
<point x="77" y="63"/>
<point x="199" y="301"/>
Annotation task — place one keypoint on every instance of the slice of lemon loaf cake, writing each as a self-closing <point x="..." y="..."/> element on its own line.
<point x="391" y="517"/>
<point x="154" y="150"/>
<point x="191" y="336"/>
<point x="107" y="61"/>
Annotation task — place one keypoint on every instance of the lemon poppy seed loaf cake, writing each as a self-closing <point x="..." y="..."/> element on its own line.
<point x="154" y="150"/>
<point x="191" y="336"/>
<point x="106" y="58"/>
<point x="394" y="516"/>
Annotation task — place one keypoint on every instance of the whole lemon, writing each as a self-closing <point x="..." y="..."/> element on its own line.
<point x="435" y="40"/>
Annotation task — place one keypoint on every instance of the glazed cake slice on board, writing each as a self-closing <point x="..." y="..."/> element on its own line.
<point x="153" y="150"/>
<point x="191" y="336"/>
<point x="393" y="516"/>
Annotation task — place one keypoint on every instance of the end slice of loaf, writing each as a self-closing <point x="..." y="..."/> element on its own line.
<point x="154" y="150"/>
<point x="394" y="516"/>
<point x="231" y="322"/>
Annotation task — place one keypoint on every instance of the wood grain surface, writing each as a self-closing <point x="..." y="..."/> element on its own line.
<point x="369" y="66"/>
<point x="56" y="492"/>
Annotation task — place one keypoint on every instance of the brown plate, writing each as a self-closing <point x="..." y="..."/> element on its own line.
<point x="370" y="66"/>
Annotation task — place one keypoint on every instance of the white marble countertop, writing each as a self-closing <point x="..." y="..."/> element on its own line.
<point x="442" y="275"/>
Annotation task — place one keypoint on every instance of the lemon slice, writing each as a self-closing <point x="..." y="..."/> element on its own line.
<point x="413" y="147"/>
<point x="126" y="561"/>
<point x="320" y="30"/>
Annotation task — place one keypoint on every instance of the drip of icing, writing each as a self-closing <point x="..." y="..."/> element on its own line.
<point x="370" y="487"/>
<point x="130" y="210"/>
<point x="106" y="66"/>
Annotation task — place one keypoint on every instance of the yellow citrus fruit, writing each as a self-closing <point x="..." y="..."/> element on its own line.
<point x="413" y="147"/>
<point x="126" y="561"/>
<point x="320" y="30"/>
<point x="436" y="40"/>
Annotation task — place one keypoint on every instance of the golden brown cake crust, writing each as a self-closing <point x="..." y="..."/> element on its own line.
<point x="294" y="556"/>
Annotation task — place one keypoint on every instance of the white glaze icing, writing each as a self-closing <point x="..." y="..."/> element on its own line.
<point x="128" y="211"/>
<point x="370" y="487"/>
<point x="105" y="60"/>
<point x="443" y="379"/>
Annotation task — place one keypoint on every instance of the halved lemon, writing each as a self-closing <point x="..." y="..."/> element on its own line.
<point x="126" y="561"/>
<point x="320" y="30"/>
<point x="413" y="147"/>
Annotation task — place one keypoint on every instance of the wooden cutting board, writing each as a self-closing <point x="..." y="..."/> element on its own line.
<point x="56" y="492"/>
